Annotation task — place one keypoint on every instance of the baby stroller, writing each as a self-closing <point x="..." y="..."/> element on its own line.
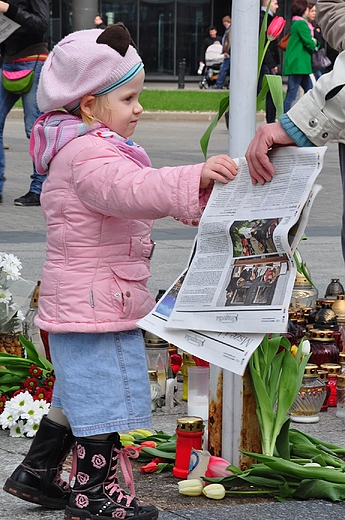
<point x="214" y="59"/>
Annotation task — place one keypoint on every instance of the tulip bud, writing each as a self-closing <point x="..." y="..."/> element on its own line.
<point x="151" y="467"/>
<point x="217" y="467"/>
<point x="192" y="487"/>
<point x="275" y="28"/>
<point x="215" y="491"/>
<point x="305" y="347"/>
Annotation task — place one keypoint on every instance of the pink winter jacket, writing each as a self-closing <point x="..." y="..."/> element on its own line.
<point x="99" y="207"/>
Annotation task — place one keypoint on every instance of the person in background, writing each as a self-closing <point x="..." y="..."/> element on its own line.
<point x="100" y="22"/>
<point x="209" y="40"/>
<point x="311" y="17"/>
<point x="24" y="49"/>
<point x="300" y="47"/>
<point x="318" y="117"/>
<point x="226" y="42"/>
<point x="99" y="201"/>
<point x="271" y="59"/>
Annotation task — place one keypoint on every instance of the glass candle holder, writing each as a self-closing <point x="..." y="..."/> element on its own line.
<point x="333" y="370"/>
<point x="310" y="398"/>
<point x="340" y="396"/>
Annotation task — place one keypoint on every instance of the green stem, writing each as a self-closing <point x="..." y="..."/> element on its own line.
<point x="256" y="492"/>
<point x="261" y="59"/>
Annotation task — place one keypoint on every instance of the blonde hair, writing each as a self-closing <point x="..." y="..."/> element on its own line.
<point x="101" y="111"/>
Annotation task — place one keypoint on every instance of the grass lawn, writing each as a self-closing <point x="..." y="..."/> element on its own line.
<point x="178" y="100"/>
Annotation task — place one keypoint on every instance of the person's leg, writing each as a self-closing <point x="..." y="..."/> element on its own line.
<point x="7" y="100"/>
<point x="306" y="82"/>
<point x="294" y="82"/>
<point x="31" y="113"/>
<point x="38" y="478"/>
<point x="110" y="393"/>
<point x="223" y="72"/>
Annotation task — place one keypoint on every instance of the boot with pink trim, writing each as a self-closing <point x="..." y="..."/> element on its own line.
<point x="96" y="494"/>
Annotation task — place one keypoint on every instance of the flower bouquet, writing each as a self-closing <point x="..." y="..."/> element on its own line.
<point x="22" y="414"/>
<point x="10" y="316"/>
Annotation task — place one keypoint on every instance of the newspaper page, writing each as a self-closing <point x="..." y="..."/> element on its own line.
<point x="230" y="351"/>
<point x="243" y="271"/>
<point x="7" y="27"/>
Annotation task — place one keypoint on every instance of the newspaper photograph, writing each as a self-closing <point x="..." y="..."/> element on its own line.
<point x="242" y="270"/>
<point x="230" y="351"/>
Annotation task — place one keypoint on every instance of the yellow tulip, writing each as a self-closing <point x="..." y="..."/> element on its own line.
<point x="192" y="487"/>
<point x="215" y="491"/>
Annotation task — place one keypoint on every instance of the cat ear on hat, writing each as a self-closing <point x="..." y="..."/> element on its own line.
<point x="117" y="36"/>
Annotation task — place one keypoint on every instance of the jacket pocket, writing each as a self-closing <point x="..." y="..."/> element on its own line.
<point x="128" y="289"/>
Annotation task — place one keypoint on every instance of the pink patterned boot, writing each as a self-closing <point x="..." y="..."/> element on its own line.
<point x="96" y="494"/>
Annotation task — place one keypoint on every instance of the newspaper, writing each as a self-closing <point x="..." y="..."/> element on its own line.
<point x="7" y="27"/>
<point x="231" y="351"/>
<point x="242" y="273"/>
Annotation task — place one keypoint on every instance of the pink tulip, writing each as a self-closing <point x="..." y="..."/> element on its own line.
<point x="275" y="28"/>
<point x="217" y="467"/>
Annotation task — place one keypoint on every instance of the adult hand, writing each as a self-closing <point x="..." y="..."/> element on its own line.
<point x="260" y="168"/>
<point x="218" y="168"/>
<point x="4" y="7"/>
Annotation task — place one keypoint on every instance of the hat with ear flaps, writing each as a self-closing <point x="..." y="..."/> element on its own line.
<point x="87" y="62"/>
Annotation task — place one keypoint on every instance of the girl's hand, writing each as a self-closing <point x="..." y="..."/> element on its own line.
<point x="218" y="168"/>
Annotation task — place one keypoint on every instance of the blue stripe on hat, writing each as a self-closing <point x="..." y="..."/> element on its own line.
<point x="122" y="81"/>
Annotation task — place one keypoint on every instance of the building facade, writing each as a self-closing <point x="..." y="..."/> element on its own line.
<point x="165" y="31"/>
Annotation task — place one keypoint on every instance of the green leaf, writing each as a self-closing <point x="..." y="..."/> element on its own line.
<point x="164" y="466"/>
<point x="223" y="107"/>
<point x="320" y="489"/>
<point x="271" y="83"/>
<point x="33" y="356"/>
<point x="282" y="442"/>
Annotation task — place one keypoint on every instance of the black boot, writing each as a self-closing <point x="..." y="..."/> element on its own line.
<point x="96" y="494"/>
<point x="37" y="479"/>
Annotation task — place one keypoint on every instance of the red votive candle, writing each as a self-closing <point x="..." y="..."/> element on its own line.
<point x="189" y="431"/>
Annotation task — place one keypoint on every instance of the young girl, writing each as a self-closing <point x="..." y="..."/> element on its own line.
<point x="99" y="200"/>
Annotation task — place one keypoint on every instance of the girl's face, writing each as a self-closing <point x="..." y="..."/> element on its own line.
<point x="124" y="105"/>
<point x="311" y="13"/>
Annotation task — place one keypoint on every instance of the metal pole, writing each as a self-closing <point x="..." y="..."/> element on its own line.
<point x="239" y="425"/>
<point x="83" y="14"/>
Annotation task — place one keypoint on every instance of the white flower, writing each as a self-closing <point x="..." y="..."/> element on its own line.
<point x="305" y="347"/>
<point x="22" y="415"/>
<point x="31" y="429"/>
<point x="7" y="419"/>
<point x="17" y="430"/>
<point x="5" y="295"/>
<point x="32" y="413"/>
<point x="11" y="266"/>
<point x="21" y="401"/>
<point x="20" y="316"/>
<point x="44" y="406"/>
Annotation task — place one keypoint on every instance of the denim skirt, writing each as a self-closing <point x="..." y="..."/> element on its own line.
<point x="101" y="381"/>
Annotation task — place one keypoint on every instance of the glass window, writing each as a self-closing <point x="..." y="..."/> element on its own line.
<point x="193" y="20"/>
<point x="156" y="40"/>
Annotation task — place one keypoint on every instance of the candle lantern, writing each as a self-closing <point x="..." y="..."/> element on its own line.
<point x="189" y="435"/>
<point x="310" y="398"/>
<point x="157" y="356"/>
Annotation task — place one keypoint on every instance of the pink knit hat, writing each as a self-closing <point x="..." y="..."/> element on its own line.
<point x="87" y="62"/>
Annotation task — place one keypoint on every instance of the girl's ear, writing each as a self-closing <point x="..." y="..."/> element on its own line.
<point x="87" y="104"/>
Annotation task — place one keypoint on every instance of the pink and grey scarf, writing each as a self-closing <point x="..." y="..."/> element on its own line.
<point x="52" y="131"/>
